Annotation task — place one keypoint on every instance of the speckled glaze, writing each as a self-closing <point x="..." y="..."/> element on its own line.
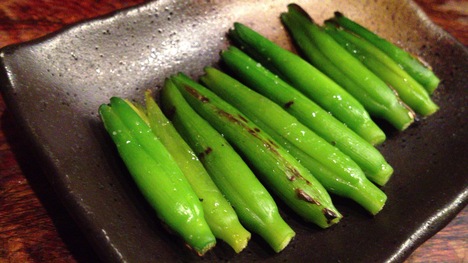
<point x="54" y="86"/>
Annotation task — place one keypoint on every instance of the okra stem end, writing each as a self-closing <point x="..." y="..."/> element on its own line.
<point x="372" y="133"/>
<point x="370" y="197"/>
<point x="280" y="238"/>
<point x="239" y="238"/>
<point x="382" y="176"/>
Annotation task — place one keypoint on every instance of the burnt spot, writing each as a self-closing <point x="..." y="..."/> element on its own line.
<point x="329" y="215"/>
<point x="243" y="118"/>
<point x="201" y="199"/>
<point x="304" y="196"/>
<point x="292" y="173"/>
<point x="288" y="104"/>
<point x="251" y="131"/>
<point x="229" y="116"/>
<point x="208" y="150"/>
<point x="272" y="147"/>
<point x="254" y="131"/>
<point x="273" y="143"/>
<point x="170" y="113"/>
<point x="203" y="154"/>
<point x="196" y="94"/>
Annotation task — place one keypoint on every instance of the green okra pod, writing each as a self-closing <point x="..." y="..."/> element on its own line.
<point x="409" y="90"/>
<point x="308" y="79"/>
<point x="156" y="174"/>
<point x="336" y="171"/>
<point x="419" y="70"/>
<point x="326" y="54"/>
<point x="255" y="76"/>
<point x="280" y="171"/>
<point x="254" y="205"/>
<point x="219" y="214"/>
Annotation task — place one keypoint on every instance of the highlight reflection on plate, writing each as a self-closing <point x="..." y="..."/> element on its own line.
<point x="54" y="87"/>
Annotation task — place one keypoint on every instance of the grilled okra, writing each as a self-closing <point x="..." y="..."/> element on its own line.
<point x="277" y="169"/>
<point x="336" y="171"/>
<point x="157" y="175"/>
<point x="254" y="205"/>
<point x="309" y="80"/>
<point x="255" y="76"/>
<point x="219" y="214"/>
<point x="419" y="70"/>
<point x="409" y="90"/>
<point x="335" y="61"/>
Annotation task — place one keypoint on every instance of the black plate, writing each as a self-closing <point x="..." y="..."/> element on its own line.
<point x="54" y="87"/>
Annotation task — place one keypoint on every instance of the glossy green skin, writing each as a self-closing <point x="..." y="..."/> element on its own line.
<point x="308" y="79"/>
<point x="336" y="171"/>
<point x="157" y="175"/>
<point x="219" y="214"/>
<point x="277" y="169"/>
<point x="409" y="90"/>
<point x="420" y="72"/>
<point x="252" y="202"/>
<point x="252" y="74"/>
<point x="322" y="50"/>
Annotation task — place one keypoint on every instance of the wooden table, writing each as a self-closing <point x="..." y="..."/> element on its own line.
<point x="34" y="225"/>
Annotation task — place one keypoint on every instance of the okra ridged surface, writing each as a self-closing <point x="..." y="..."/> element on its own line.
<point x="335" y="170"/>
<point x="157" y="175"/>
<point x="219" y="214"/>
<point x="420" y="71"/>
<point x="254" y="75"/>
<point x="326" y="54"/>
<point x="277" y="169"/>
<point x="408" y="90"/>
<point x="307" y="79"/>
<point x="252" y="202"/>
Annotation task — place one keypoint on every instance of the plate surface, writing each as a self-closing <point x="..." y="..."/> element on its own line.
<point x="54" y="86"/>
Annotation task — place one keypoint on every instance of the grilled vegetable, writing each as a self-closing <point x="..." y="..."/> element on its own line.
<point x="219" y="214"/>
<point x="327" y="55"/>
<point x="419" y="70"/>
<point x="254" y="205"/>
<point x="409" y="90"/>
<point x="309" y="80"/>
<point x="254" y="75"/>
<point x="277" y="169"/>
<point x="157" y="175"/>
<point x="336" y="171"/>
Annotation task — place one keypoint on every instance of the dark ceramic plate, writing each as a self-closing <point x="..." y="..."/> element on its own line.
<point x="54" y="87"/>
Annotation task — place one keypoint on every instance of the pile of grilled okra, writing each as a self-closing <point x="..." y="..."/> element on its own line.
<point x="208" y="157"/>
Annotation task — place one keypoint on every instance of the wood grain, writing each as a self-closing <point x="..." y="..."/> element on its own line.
<point x="34" y="225"/>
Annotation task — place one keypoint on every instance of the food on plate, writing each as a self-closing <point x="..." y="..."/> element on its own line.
<point x="280" y="172"/>
<point x="256" y="77"/>
<point x="338" y="173"/>
<point x="212" y="155"/>
<point x="253" y="203"/>
<point x="331" y="58"/>
<point x="219" y="214"/>
<point x="415" y="67"/>
<point x="157" y="175"/>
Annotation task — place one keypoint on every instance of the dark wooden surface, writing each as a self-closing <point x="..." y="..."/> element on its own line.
<point x="34" y="225"/>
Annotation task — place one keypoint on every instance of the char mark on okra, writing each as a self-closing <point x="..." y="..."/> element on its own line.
<point x="288" y="104"/>
<point x="207" y="151"/>
<point x="304" y="196"/>
<point x="196" y="94"/>
<point x="329" y="214"/>
<point x="171" y="113"/>
<point x="243" y="119"/>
